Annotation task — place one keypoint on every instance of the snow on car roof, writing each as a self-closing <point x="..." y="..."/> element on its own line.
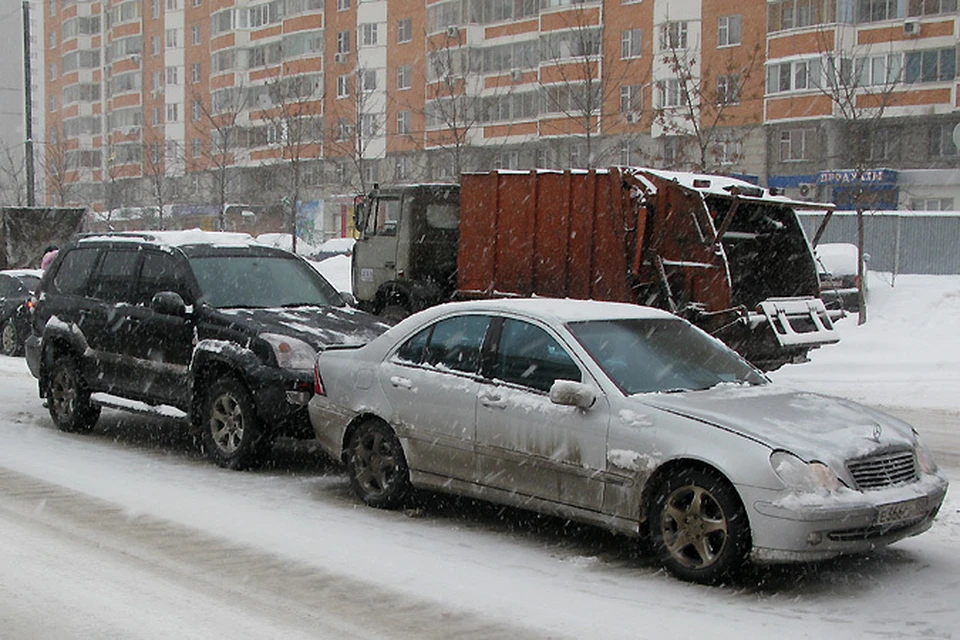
<point x="559" y="309"/>
<point x="20" y="273"/>
<point x="179" y="238"/>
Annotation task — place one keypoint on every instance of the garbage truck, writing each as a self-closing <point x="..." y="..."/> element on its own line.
<point x="725" y="254"/>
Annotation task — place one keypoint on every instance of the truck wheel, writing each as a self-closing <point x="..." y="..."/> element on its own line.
<point x="68" y="398"/>
<point x="231" y="432"/>
<point x="394" y="313"/>
<point x="698" y="527"/>
<point x="11" y="345"/>
<point x="376" y="465"/>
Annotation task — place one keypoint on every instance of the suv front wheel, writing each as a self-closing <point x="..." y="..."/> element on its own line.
<point x="68" y="397"/>
<point x="232" y="436"/>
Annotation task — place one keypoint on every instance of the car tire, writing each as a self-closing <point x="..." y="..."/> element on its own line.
<point x="10" y="343"/>
<point x="698" y="527"/>
<point x="231" y="433"/>
<point x="68" y="397"/>
<point x="376" y="466"/>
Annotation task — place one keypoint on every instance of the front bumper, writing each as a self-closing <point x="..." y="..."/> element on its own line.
<point x="792" y="528"/>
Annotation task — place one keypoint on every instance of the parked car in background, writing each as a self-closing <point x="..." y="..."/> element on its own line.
<point x="839" y="280"/>
<point x="626" y="417"/>
<point x="210" y="326"/>
<point x="16" y="289"/>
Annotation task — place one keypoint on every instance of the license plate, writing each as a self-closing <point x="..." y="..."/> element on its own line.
<point x="900" y="511"/>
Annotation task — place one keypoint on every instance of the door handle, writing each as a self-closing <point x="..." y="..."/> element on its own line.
<point x="401" y="383"/>
<point x="493" y="401"/>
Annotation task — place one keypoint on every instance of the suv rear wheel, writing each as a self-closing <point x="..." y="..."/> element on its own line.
<point x="68" y="397"/>
<point x="232" y="435"/>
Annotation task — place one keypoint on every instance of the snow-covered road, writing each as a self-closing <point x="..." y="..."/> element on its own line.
<point x="127" y="533"/>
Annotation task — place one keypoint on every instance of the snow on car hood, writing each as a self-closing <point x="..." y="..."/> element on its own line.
<point x="813" y="426"/>
<point x="317" y="326"/>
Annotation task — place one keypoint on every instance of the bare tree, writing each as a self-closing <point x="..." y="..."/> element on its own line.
<point x="158" y="154"/>
<point x="576" y="84"/>
<point x="354" y="122"/>
<point x="60" y="174"/>
<point x="216" y="123"/>
<point x="295" y="124"/>
<point x="13" y="186"/>
<point x="698" y="100"/>
<point x="862" y="85"/>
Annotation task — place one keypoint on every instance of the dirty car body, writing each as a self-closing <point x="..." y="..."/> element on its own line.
<point x="211" y="326"/>
<point x="626" y="417"/>
<point x="16" y="289"/>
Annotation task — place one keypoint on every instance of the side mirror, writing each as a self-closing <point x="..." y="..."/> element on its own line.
<point x="572" y="394"/>
<point x="169" y="303"/>
<point x="348" y="298"/>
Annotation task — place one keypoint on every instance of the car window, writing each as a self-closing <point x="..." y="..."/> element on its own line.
<point x="259" y="281"/>
<point x="654" y="354"/>
<point x="529" y="356"/>
<point x="453" y="343"/>
<point x="159" y="273"/>
<point x="74" y="270"/>
<point x="116" y="275"/>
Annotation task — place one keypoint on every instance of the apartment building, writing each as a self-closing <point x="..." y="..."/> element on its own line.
<point x="864" y="95"/>
<point x="214" y="101"/>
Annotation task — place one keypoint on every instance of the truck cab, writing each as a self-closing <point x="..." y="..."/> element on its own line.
<point x="405" y="258"/>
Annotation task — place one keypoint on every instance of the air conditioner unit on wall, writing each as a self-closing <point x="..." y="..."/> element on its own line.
<point x="632" y="117"/>
<point x="516" y="75"/>
<point x="339" y="57"/>
<point x="911" y="28"/>
<point x="807" y="189"/>
<point x="453" y="32"/>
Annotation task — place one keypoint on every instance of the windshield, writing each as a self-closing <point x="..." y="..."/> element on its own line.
<point x="662" y="354"/>
<point x="260" y="281"/>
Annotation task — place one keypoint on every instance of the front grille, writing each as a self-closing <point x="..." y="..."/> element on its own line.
<point x="873" y="531"/>
<point x="885" y="470"/>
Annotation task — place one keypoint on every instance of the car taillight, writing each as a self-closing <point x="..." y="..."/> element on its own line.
<point x="317" y="382"/>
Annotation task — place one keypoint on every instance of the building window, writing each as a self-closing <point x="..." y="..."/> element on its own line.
<point x="630" y="43"/>
<point x="156" y="81"/>
<point x="931" y="204"/>
<point x="543" y="158"/>
<point x="631" y="98"/>
<point x="173" y="112"/>
<point x="878" y="70"/>
<point x="403" y="123"/>
<point x="196" y="147"/>
<point x="798" y="75"/>
<point x="171" y="37"/>
<point x="53" y="103"/>
<point x="941" y="141"/>
<point x="52" y="70"/>
<point x="670" y="93"/>
<point x="173" y="75"/>
<point x="157" y="118"/>
<point x="728" y="31"/>
<point x="369" y="125"/>
<point x="575" y="154"/>
<point x="155" y="45"/>
<point x="154" y="8"/>
<point x="343" y="5"/>
<point x="155" y="153"/>
<point x="173" y="5"/>
<point x="877" y="10"/>
<point x="404" y="30"/>
<point x="196" y="110"/>
<point x="671" y="150"/>
<point x="932" y="65"/>
<point x="52" y="40"/>
<point x="343" y="86"/>
<point x="673" y="35"/>
<point x="930" y="7"/>
<point x="197" y="3"/>
<point x="794" y="145"/>
<point x="343" y="42"/>
<point x="403" y="76"/>
<point x="401" y="168"/>
<point x="507" y="160"/>
<point x="195" y="34"/>
<point x="368" y="80"/>
<point x="727" y="152"/>
<point x="728" y="89"/>
<point x="343" y="129"/>
<point x="368" y="34"/>
<point x="195" y="72"/>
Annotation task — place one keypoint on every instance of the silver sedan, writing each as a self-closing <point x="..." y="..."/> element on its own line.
<point x="626" y="417"/>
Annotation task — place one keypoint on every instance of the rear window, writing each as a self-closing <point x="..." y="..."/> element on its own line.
<point x="74" y="270"/>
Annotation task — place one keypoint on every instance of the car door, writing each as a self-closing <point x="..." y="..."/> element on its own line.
<point x="525" y="443"/>
<point x="106" y="326"/>
<point x="431" y="384"/>
<point x="162" y="344"/>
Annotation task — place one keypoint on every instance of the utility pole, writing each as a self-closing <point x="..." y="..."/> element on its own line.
<point x="28" y="103"/>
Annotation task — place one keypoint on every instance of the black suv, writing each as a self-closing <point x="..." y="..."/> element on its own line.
<point x="208" y="326"/>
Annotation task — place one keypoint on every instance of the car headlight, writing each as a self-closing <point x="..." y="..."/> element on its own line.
<point x="805" y="477"/>
<point x="291" y="353"/>
<point x="925" y="457"/>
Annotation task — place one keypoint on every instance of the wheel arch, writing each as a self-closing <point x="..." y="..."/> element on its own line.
<point x="204" y="372"/>
<point x="352" y="426"/>
<point x="671" y="467"/>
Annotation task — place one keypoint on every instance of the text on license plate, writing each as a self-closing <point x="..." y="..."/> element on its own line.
<point x="899" y="511"/>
